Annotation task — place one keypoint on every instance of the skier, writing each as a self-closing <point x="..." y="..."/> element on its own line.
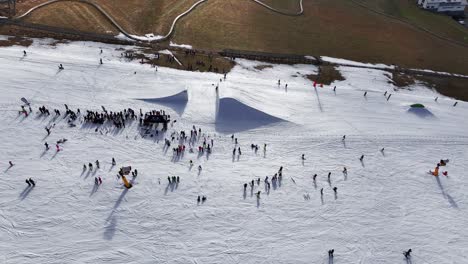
<point x="385" y="94"/>
<point x="60" y="67"/>
<point x="239" y="150"/>
<point x="436" y="99"/>
<point x="321" y="192"/>
<point x="57" y="147"/>
<point x="100" y="61"/>
<point x="345" y="171"/>
<point x="245" y="186"/>
<point x="234" y="151"/>
<point x="258" y="194"/>
<point x="407" y="253"/>
<point x="330" y="253"/>
<point x="96" y="181"/>
<point x="32" y="182"/>
<point x="382" y="150"/>
<point x="100" y="180"/>
<point x="11" y="163"/>
<point x="203" y="199"/>
<point x="46" y="146"/>
<point x="84" y="166"/>
<point x="303" y="157"/>
<point x="90" y="165"/>
<point x="199" y="167"/>
<point x="113" y="162"/>
<point x="362" y="157"/>
<point x="334" y="89"/>
<point x="29" y="183"/>
<point x="455" y="104"/>
<point x="97" y="164"/>
<point x="365" y="93"/>
<point x="198" y="199"/>
<point x="178" y="179"/>
<point x="335" y="189"/>
<point x="344" y="137"/>
<point x="315" y="176"/>
<point x="24" y="53"/>
<point x="48" y="130"/>
<point x="169" y="179"/>
<point x="388" y="98"/>
<point x="329" y="174"/>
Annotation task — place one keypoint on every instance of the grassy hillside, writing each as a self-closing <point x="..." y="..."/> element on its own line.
<point x="72" y="15"/>
<point x="408" y="10"/>
<point x="335" y="28"/>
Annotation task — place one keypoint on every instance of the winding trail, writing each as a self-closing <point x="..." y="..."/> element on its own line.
<point x="144" y="38"/>
<point x="282" y="12"/>
<point x="112" y="20"/>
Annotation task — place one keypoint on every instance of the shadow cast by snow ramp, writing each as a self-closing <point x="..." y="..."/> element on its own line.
<point x="233" y="116"/>
<point x="176" y="102"/>
<point x="421" y="112"/>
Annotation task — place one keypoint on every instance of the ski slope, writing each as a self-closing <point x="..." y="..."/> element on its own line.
<point x="385" y="205"/>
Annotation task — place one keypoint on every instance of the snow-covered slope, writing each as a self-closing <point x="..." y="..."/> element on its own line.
<point x="386" y="204"/>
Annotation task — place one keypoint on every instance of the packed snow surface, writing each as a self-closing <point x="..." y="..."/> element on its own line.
<point x="386" y="204"/>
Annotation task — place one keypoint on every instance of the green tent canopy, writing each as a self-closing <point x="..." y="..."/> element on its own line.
<point x="417" y="106"/>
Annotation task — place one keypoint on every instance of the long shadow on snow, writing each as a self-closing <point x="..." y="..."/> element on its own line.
<point x="233" y="116"/>
<point x="177" y="102"/>
<point x="421" y="112"/>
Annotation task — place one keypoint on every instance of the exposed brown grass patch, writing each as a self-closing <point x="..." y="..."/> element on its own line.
<point x="327" y="75"/>
<point x="262" y="67"/>
<point x="402" y="80"/>
<point x="16" y="40"/>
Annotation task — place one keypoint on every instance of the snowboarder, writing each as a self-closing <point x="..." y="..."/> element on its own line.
<point x="46" y="146"/>
<point x="32" y="182"/>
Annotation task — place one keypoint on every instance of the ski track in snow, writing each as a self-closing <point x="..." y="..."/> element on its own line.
<point x="385" y="205"/>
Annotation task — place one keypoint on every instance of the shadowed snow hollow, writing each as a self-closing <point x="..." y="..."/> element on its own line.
<point x="177" y="102"/>
<point x="234" y="116"/>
